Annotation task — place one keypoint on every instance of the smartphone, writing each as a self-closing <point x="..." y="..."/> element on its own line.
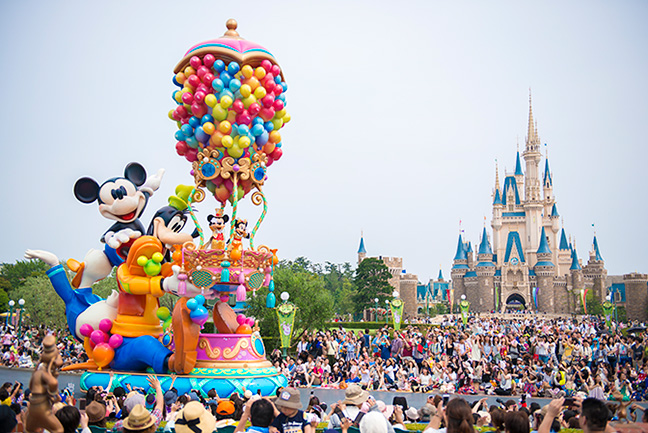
<point x="338" y="412"/>
<point x="569" y="402"/>
<point x="82" y="404"/>
<point x="356" y="422"/>
<point x="446" y="398"/>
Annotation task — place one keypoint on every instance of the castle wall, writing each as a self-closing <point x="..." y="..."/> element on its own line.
<point x="636" y="289"/>
<point x="408" y="283"/>
<point x="486" y="294"/>
<point x="544" y="281"/>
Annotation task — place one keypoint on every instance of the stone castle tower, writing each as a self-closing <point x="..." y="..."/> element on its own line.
<point x="528" y="261"/>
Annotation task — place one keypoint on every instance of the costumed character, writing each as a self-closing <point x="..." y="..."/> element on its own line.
<point x="217" y="224"/>
<point x="236" y="245"/>
<point x="44" y="390"/>
<point x="81" y="305"/>
<point x="122" y="199"/>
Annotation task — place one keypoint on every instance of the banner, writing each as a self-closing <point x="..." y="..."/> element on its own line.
<point x="496" y="299"/>
<point x="397" y="312"/>
<point x="465" y="306"/>
<point x="608" y="309"/>
<point x="583" y="293"/>
<point x="535" y="297"/>
<point x="286" y="314"/>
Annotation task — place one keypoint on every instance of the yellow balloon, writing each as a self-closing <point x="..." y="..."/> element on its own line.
<point x="277" y="123"/>
<point x="226" y="101"/>
<point x="249" y="101"/>
<point x="244" y="141"/>
<point x="227" y="141"/>
<point x="219" y="113"/>
<point x="246" y="70"/>
<point x="235" y="152"/>
<point x="258" y="72"/>
<point x="286" y="118"/>
<point x="245" y="90"/>
<point x="253" y="83"/>
<point x="211" y="100"/>
<point x="178" y="97"/>
<point x="209" y="128"/>
<point x="189" y="71"/>
<point x="180" y="78"/>
<point x="225" y="127"/>
<point x="231" y="116"/>
<point x="275" y="137"/>
<point x="259" y="92"/>
<point x="171" y="114"/>
<point x="281" y="113"/>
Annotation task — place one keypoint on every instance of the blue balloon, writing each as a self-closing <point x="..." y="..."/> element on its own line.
<point x="200" y="299"/>
<point x="263" y="138"/>
<point x="179" y="136"/>
<point x="192" y="142"/>
<point x="219" y="65"/>
<point x="187" y="130"/>
<point x="278" y="144"/>
<point x="192" y="304"/>
<point x="234" y="85"/>
<point x="282" y="98"/>
<point x="225" y="78"/>
<point x="257" y="129"/>
<point x="194" y="122"/>
<point x="201" y="135"/>
<point x="176" y="82"/>
<point x="206" y="118"/>
<point x="268" y="126"/>
<point x="233" y="68"/>
<point x="226" y="92"/>
<point x="277" y="79"/>
<point x="218" y="85"/>
<point x="243" y="129"/>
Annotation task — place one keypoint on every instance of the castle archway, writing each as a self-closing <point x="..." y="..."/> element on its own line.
<point x="516" y="301"/>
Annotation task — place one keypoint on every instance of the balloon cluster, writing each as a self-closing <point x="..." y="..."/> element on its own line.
<point x="102" y="345"/>
<point x="235" y="109"/>
<point x="198" y="312"/>
<point x="245" y="324"/>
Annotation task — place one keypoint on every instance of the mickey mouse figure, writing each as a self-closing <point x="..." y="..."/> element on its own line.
<point x="122" y="199"/>
<point x="217" y="224"/>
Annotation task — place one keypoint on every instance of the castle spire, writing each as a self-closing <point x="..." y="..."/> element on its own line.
<point x="574" y="265"/>
<point x="518" y="166"/>
<point x="440" y="277"/>
<point x="596" y="249"/>
<point x="461" y="250"/>
<point x="484" y="246"/>
<point x="544" y="246"/>
<point x="361" y="249"/>
<point x="548" y="182"/>
<point x="564" y="245"/>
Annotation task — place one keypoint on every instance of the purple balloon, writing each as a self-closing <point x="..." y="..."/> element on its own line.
<point x="115" y="341"/>
<point x="105" y="325"/>
<point x="97" y="336"/>
<point x="86" y="329"/>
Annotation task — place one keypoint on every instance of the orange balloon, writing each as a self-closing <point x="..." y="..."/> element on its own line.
<point x="103" y="354"/>
<point x="268" y="148"/>
<point x="244" y="329"/>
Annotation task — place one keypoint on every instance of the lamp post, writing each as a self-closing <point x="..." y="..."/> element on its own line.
<point x="376" y="312"/>
<point x="21" y="304"/>
<point x="11" y="306"/>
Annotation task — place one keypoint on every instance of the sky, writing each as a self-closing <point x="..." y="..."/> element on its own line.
<point x="399" y="111"/>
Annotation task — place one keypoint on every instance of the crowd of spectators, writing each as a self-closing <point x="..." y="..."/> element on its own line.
<point x="532" y="356"/>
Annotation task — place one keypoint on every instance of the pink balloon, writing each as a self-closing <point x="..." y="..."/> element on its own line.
<point x="240" y="319"/>
<point x="86" y="329"/>
<point x="97" y="336"/>
<point x="105" y="325"/>
<point x="250" y="321"/>
<point x="115" y="341"/>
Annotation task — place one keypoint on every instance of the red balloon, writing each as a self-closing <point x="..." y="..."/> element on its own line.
<point x="209" y="60"/>
<point x="243" y="118"/>
<point x="276" y="70"/>
<point x="267" y="65"/>
<point x="198" y="109"/>
<point x="268" y="100"/>
<point x="267" y="113"/>
<point x="278" y="105"/>
<point x="191" y="155"/>
<point x="254" y="109"/>
<point x="208" y="78"/>
<point x="202" y="71"/>
<point x="187" y="98"/>
<point x="238" y="106"/>
<point x="181" y="148"/>
<point x="194" y="80"/>
<point x="277" y="154"/>
<point x="199" y="97"/>
<point x="182" y="112"/>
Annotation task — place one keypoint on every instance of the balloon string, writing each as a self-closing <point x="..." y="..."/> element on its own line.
<point x="260" y="220"/>
<point x="195" y="220"/>
<point x="234" y="208"/>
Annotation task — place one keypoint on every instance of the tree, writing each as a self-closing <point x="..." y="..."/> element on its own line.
<point x="17" y="273"/>
<point x="371" y="281"/>
<point x="5" y="288"/>
<point x="307" y="291"/>
<point x="338" y="280"/>
<point x="42" y="305"/>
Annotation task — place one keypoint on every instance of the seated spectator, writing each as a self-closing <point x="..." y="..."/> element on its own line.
<point x="140" y="420"/>
<point x="194" y="418"/>
<point x="260" y="413"/>
<point x="96" y="417"/>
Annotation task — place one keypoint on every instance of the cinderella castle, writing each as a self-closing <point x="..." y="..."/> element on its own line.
<point x="529" y="261"/>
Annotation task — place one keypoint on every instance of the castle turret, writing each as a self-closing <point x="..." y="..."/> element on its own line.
<point x="362" y="252"/>
<point x="636" y="291"/>
<point x="544" y="271"/>
<point x="498" y="206"/>
<point x="596" y="272"/>
<point x="485" y="270"/>
<point x="564" y="254"/>
<point x="459" y="269"/>
<point x="532" y="204"/>
<point x="470" y="255"/>
<point x="577" y="282"/>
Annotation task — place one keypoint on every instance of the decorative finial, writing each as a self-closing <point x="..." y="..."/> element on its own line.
<point x="497" y="185"/>
<point x="594" y="228"/>
<point x="562" y="222"/>
<point x="231" y="29"/>
<point x="546" y="151"/>
<point x="517" y="142"/>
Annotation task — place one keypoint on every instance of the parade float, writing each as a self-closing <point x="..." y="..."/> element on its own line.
<point x="230" y="106"/>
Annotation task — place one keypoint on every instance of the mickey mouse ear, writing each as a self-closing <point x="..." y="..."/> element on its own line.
<point x="135" y="173"/>
<point x="86" y="190"/>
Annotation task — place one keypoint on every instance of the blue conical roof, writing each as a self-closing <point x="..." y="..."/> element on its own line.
<point x="469" y="247"/>
<point x="596" y="250"/>
<point x="440" y="277"/>
<point x="362" y="250"/>
<point x="518" y="166"/>
<point x="554" y="211"/>
<point x="484" y="246"/>
<point x="575" y="265"/>
<point x="547" y="174"/>
<point x="544" y="245"/>
<point x="498" y="197"/>
<point x="563" y="241"/>
<point x="461" y="250"/>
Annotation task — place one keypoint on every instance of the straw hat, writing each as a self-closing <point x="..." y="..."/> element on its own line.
<point x="139" y="419"/>
<point x="194" y="417"/>
<point x="412" y="413"/>
<point x="96" y="411"/>
<point x="290" y="398"/>
<point x="355" y="395"/>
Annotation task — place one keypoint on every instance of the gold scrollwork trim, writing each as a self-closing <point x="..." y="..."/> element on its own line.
<point x="231" y="353"/>
<point x="203" y="343"/>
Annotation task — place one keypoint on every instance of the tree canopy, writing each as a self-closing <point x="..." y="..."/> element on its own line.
<point x="371" y="281"/>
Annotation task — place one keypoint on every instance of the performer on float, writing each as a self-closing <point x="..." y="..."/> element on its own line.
<point x="217" y="225"/>
<point x="236" y="245"/>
